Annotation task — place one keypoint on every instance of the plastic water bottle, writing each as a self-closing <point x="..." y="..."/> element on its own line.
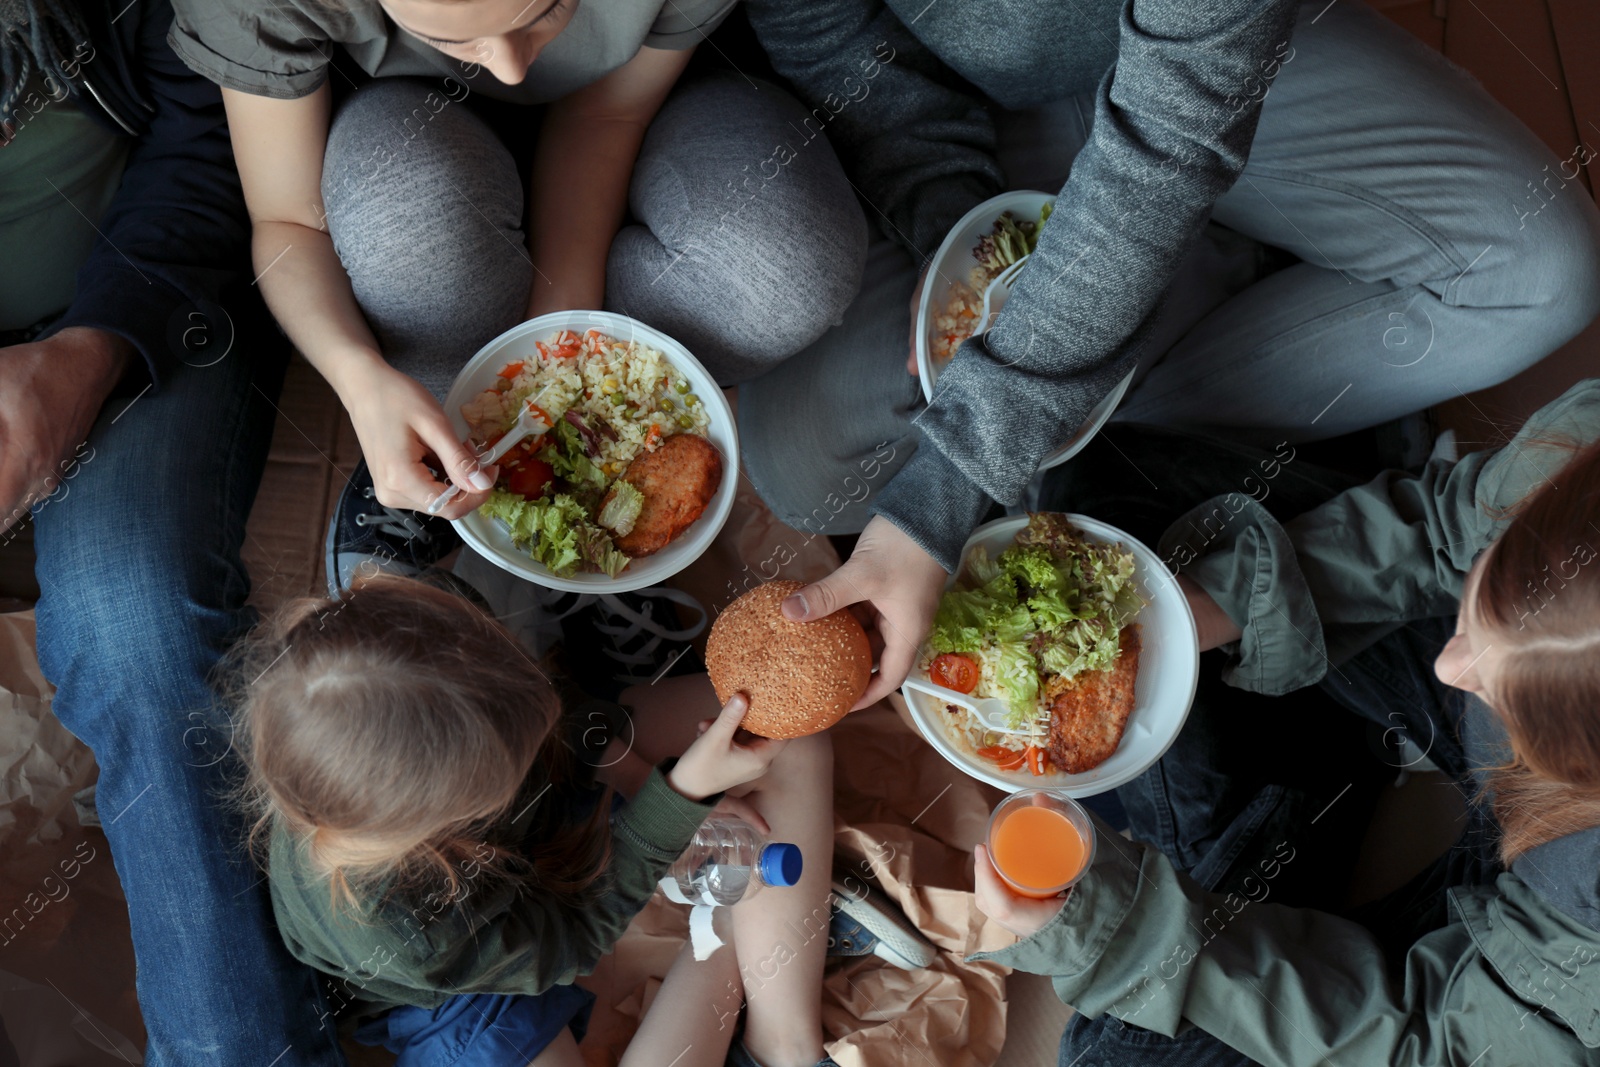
<point x="728" y="861"/>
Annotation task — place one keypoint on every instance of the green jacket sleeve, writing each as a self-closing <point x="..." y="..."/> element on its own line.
<point x="1323" y="586"/>
<point x="522" y="943"/>
<point x="1292" y="987"/>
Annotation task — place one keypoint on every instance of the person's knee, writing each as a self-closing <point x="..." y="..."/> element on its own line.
<point x="417" y="189"/>
<point x="150" y="635"/>
<point x="741" y="214"/>
<point x="1555" y="258"/>
<point x="384" y="144"/>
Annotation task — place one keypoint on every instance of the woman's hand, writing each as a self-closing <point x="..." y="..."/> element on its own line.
<point x="716" y="762"/>
<point x="1023" y="916"/>
<point x="902" y="583"/>
<point x="399" y="424"/>
<point x="1211" y="622"/>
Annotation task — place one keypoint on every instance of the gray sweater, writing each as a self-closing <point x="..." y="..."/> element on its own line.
<point x="1178" y="90"/>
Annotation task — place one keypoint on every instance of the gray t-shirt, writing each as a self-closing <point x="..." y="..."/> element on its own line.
<point x="283" y="49"/>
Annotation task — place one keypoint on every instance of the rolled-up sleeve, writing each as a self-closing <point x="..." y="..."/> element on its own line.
<point x="1254" y="576"/>
<point x="271" y="50"/>
<point x="1320" y="588"/>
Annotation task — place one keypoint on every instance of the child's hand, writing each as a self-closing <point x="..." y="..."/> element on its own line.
<point x="716" y="761"/>
<point x="1211" y="623"/>
<point x="1023" y="916"/>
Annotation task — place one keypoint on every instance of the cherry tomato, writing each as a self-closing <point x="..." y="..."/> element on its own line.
<point x="529" y="478"/>
<point x="955" y="671"/>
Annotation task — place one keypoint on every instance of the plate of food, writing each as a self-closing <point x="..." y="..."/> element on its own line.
<point x="1062" y="655"/>
<point x="635" y="471"/>
<point x="991" y="238"/>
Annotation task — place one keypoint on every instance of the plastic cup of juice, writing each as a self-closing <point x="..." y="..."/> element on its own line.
<point x="1041" y="842"/>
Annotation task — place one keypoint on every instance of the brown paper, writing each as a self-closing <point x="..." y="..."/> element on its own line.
<point x="913" y="830"/>
<point x="66" y="959"/>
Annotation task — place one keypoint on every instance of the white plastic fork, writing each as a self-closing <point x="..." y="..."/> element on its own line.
<point x="530" y="422"/>
<point x="996" y="292"/>
<point x="992" y="712"/>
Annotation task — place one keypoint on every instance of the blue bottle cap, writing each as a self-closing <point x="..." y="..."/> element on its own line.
<point x="781" y="864"/>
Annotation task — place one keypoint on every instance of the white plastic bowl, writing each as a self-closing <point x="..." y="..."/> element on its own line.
<point x="1169" y="668"/>
<point x="491" y="540"/>
<point x="951" y="263"/>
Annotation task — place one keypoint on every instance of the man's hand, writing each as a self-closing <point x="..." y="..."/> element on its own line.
<point x="1023" y="916"/>
<point x="902" y="583"/>
<point x="50" y="393"/>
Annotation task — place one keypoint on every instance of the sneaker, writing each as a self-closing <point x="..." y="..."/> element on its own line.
<point x="866" y="922"/>
<point x="364" y="535"/>
<point x="616" y="640"/>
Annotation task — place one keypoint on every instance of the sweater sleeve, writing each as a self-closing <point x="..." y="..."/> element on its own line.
<point x="916" y="144"/>
<point x="176" y="232"/>
<point x="1294" y="987"/>
<point x="1173" y="124"/>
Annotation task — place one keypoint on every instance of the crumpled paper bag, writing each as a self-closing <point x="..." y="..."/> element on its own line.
<point x="67" y="991"/>
<point x="41" y="764"/>
<point x="913" y="832"/>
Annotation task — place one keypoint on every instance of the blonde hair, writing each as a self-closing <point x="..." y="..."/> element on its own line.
<point x="1538" y="595"/>
<point x="389" y="733"/>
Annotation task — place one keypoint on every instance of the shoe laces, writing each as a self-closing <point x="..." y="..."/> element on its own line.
<point x="623" y="624"/>
<point x="391" y="522"/>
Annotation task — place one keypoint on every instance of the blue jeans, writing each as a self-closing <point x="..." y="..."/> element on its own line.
<point x="142" y="591"/>
<point x="1249" y="773"/>
<point x="480" y="1029"/>
<point x="1417" y="278"/>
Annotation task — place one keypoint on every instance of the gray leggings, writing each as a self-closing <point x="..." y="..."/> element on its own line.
<point x="1428" y="270"/>
<point x="426" y="210"/>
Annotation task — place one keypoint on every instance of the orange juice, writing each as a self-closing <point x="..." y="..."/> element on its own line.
<point x="1037" y="850"/>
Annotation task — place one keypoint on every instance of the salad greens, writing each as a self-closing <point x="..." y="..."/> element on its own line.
<point x="556" y="532"/>
<point x="1053" y="603"/>
<point x="570" y="460"/>
<point x="621" y="512"/>
<point x="1010" y="241"/>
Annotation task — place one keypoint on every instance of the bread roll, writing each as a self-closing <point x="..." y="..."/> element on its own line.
<point x="801" y="677"/>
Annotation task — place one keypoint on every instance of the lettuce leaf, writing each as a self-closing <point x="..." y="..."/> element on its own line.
<point x="568" y="458"/>
<point x="1052" y="603"/>
<point x="622" y="510"/>
<point x="555" y="532"/>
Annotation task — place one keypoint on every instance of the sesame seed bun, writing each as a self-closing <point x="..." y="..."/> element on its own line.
<point x="801" y="677"/>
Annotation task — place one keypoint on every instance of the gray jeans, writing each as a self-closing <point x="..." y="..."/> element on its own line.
<point x="426" y="209"/>
<point x="1436" y="259"/>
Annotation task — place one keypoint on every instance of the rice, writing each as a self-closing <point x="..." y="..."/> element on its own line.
<point x="957" y="320"/>
<point x="623" y="385"/>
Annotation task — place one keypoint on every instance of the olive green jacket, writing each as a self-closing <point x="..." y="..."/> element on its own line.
<point x="493" y="938"/>
<point x="1514" y="979"/>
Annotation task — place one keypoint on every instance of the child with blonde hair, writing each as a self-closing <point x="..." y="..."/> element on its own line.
<point x="446" y="839"/>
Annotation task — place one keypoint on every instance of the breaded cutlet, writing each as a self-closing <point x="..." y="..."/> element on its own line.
<point x="678" y="480"/>
<point x="1087" y="721"/>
